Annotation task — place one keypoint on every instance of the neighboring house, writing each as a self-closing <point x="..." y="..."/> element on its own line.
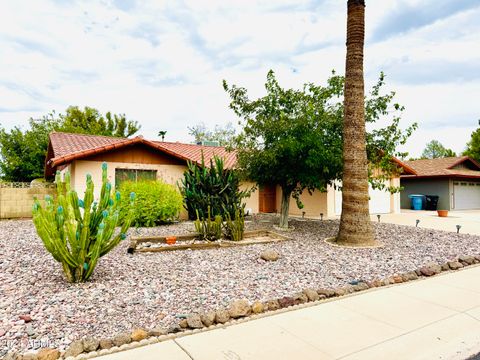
<point x="137" y="158"/>
<point x="456" y="180"/>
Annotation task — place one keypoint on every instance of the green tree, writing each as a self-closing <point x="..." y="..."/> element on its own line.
<point x="22" y="153"/>
<point x="224" y="135"/>
<point x="293" y="138"/>
<point x="434" y="149"/>
<point x="90" y="121"/>
<point x="473" y="146"/>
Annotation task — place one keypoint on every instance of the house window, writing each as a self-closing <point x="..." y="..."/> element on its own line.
<point x="122" y="175"/>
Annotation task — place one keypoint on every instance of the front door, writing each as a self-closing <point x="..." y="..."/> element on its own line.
<point x="267" y="197"/>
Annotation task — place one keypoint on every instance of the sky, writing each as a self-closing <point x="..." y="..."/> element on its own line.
<point x="162" y="62"/>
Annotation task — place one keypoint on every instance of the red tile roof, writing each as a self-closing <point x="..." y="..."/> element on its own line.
<point x="66" y="147"/>
<point x="445" y="167"/>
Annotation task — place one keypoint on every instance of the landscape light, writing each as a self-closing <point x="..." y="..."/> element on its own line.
<point x="416" y="222"/>
<point x="378" y="217"/>
<point x="303" y="214"/>
<point x="458" y="228"/>
<point x="321" y="216"/>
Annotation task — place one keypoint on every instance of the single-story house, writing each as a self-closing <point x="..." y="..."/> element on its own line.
<point x="455" y="180"/>
<point x="138" y="158"/>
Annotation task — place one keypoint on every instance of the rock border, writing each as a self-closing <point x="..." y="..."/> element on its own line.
<point x="250" y="238"/>
<point x="237" y="312"/>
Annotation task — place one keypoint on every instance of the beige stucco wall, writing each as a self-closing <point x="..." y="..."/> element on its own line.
<point x="171" y="174"/>
<point x="313" y="205"/>
<point x="252" y="202"/>
<point x="324" y="202"/>
<point x="17" y="202"/>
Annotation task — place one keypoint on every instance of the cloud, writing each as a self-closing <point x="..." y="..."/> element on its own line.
<point x="406" y="17"/>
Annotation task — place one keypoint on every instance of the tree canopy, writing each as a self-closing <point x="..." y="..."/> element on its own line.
<point x="434" y="149"/>
<point x="473" y="146"/>
<point x="224" y="135"/>
<point x="293" y="138"/>
<point x="22" y="153"/>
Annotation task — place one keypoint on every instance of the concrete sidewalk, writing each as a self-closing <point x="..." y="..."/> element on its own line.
<point x="435" y="318"/>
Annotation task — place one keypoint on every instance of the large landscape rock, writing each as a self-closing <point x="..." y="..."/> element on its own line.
<point x="75" y="348"/>
<point x="105" y="343"/>
<point x="48" y="354"/>
<point x="208" y="318"/>
<point x="122" y="339"/>
<point x="222" y="316"/>
<point x="239" y="308"/>
<point x="138" y="334"/>
<point x="311" y="294"/>
<point x="194" y="322"/>
<point x="455" y="265"/>
<point x="272" y="305"/>
<point x="270" y="255"/>
<point x="90" y="344"/>
<point x="258" y="307"/>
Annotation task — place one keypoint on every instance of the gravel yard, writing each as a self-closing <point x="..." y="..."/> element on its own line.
<point x="153" y="289"/>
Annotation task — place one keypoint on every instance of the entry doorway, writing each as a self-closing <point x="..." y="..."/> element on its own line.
<point x="267" y="197"/>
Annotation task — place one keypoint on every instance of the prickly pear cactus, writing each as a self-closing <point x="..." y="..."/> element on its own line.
<point x="78" y="232"/>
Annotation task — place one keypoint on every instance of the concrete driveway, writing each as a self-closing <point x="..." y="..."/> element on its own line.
<point x="469" y="220"/>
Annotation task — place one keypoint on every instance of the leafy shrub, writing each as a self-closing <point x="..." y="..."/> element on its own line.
<point x="211" y="187"/>
<point x="156" y="202"/>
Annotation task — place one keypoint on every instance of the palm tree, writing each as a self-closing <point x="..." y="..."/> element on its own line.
<point x="355" y="226"/>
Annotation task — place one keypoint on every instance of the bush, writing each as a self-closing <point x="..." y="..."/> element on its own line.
<point x="156" y="202"/>
<point x="211" y="187"/>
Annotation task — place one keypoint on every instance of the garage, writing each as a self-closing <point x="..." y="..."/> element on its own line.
<point x="379" y="201"/>
<point x="466" y="195"/>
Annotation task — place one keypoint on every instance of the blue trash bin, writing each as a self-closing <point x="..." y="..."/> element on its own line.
<point x="417" y="201"/>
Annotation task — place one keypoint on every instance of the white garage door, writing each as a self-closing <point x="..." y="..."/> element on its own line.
<point x="379" y="201"/>
<point x="466" y="195"/>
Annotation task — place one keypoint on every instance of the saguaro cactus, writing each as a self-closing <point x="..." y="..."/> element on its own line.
<point x="78" y="232"/>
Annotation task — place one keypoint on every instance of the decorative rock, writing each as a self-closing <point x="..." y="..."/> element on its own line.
<point x="377" y="283"/>
<point x="409" y="276"/>
<point x="272" y="305"/>
<point x="300" y="298"/>
<point x="122" y="339"/>
<point x="426" y="271"/>
<point x="75" y="349"/>
<point x="174" y="329"/>
<point x="105" y="343"/>
<point x="138" y="334"/>
<point x="90" y="344"/>
<point x="208" y="318"/>
<point x="258" y="307"/>
<point x="239" y="308"/>
<point x="361" y="286"/>
<point x="311" y="294"/>
<point x="445" y="267"/>
<point x="418" y="272"/>
<point x="340" y="292"/>
<point x="27" y="318"/>
<point x="435" y="267"/>
<point x="194" y="322"/>
<point x="183" y="323"/>
<point x="48" y="354"/>
<point x="455" y="265"/>
<point x="157" y="331"/>
<point x="397" y="279"/>
<point x="270" y="255"/>
<point x="467" y="259"/>
<point x="222" y="316"/>
<point x="286" y="301"/>
<point x="11" y="356"/>
<point x="327" y="292"/>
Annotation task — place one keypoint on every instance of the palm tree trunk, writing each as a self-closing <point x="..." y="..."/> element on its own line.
<point x="355" y="226"/>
